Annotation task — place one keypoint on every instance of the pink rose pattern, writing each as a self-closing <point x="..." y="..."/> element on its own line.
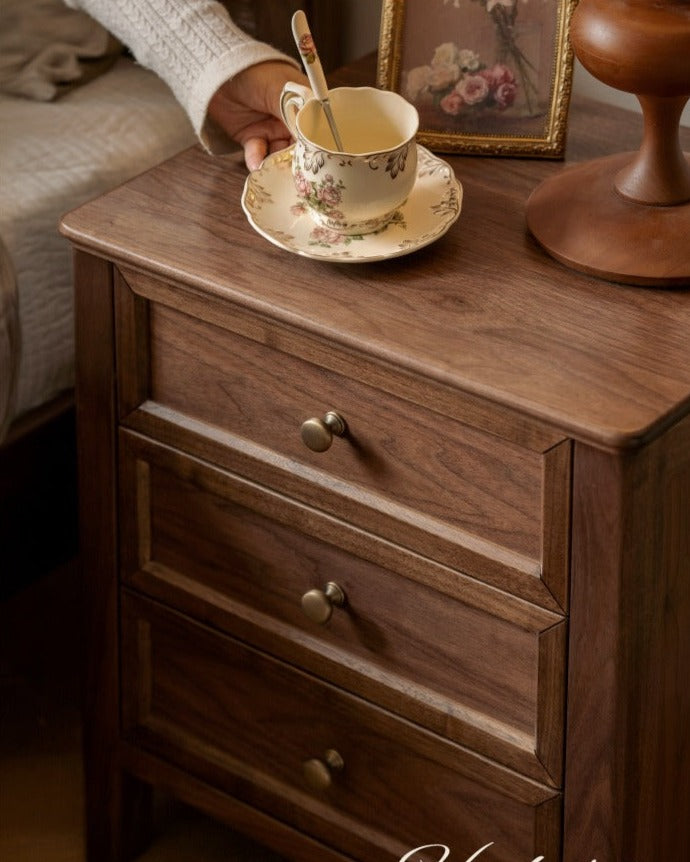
<point x="307" y="48"/>
<point x="473" y="89"/>
<point x="323" y="195"/>
<point x="502" y="85"/>
<point x="325" y="237"/>
<point x="490" y="88"/>
<point x="456" y="79"/>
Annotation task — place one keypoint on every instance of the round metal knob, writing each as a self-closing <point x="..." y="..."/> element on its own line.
<point x="318" y="604"/>
<point x="317" y="434"/>
<point x="318" y="773"/>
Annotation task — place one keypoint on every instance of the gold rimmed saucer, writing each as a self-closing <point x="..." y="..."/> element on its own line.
<point x="274" y="210"/>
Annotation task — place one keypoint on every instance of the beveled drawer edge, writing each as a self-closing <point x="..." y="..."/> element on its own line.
<point x="310" y="806"/>
<point x="331" y="350"/>
<point x="464" y="761"/>
<point x="334" y="530"/>
<point x="256" y="787"/>
<point x="557" y="483"/>
<point x="470" y="729"/>
<point x="549" y="730"/>
<point x="500" y="567"/>
<point x="241" y="816"/>
<point x="549" y="570"/>
<point x="525" y="752"/>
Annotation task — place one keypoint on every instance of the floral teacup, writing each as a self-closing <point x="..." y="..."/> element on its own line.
<point x="357" y="190"/>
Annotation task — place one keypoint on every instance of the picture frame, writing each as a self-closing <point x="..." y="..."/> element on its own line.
<point x="488" y="77"/>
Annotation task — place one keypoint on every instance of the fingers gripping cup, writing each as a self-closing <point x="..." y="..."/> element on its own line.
<point x="358" y="190"/>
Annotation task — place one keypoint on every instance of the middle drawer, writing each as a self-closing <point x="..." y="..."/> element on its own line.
<point x="479" y="666"/>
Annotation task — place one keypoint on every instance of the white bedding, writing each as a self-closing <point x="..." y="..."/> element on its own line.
<point x="53" y="157"/>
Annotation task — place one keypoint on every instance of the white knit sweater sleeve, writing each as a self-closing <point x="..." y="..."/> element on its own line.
<point x="193" y="45"/>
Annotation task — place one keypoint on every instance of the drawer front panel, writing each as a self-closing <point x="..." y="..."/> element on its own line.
<point x="394" y="449"/>
<point x="479" y="666"/>
<point x="251" y="724"/>
<point x="470" y="499"/>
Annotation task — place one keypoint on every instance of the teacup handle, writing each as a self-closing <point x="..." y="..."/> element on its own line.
<point x="292" y="99"/>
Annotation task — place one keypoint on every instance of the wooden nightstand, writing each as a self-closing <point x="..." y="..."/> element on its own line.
<point x="466" y="621"/>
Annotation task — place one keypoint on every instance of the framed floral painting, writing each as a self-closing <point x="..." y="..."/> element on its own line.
<point x="490" y="77"/>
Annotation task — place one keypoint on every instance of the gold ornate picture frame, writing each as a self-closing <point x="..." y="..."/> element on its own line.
<point x="489" y="77"/>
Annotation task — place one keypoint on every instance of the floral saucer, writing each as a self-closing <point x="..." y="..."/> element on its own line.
<point x="274" y="210"/>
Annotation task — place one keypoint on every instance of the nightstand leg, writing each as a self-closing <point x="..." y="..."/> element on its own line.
<point x="118" y="806"/>
<point x="118" y="817"/>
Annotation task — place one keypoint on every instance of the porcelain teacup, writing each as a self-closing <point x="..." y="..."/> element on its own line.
<point x="356" y="190"/>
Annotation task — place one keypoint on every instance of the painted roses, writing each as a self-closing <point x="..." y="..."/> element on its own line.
<point x="324" y="195"/>
<point x="456" y="80"/>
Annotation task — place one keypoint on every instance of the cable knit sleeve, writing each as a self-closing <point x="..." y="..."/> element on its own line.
<point x="193" y="45"/>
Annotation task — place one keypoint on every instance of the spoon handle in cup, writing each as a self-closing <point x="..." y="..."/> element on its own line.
<point x="314" y="69"/>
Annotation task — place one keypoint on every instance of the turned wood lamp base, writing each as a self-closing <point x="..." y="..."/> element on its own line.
<point x="626" y="218"/>
<point x="582" y="220"/>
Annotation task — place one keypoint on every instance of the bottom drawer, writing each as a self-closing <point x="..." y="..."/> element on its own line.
<point x="348" y="773"/>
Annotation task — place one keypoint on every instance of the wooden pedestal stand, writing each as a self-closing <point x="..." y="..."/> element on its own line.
<point x="626" y="218"/>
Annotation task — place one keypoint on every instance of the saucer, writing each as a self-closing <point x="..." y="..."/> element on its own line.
<point x="274" y="210"/>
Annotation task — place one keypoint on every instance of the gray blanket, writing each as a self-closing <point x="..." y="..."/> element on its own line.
<point x="46" y="48"/>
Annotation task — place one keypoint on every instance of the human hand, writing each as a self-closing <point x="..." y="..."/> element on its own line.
<point x="247" y="109"/>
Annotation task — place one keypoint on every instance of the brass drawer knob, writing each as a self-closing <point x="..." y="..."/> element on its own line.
<point x="318" y="604"/>
<point x="317" y="434"/>
<point x="318" y="773"/>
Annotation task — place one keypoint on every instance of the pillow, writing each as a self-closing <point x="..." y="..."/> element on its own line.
<point x="46" y="48"/>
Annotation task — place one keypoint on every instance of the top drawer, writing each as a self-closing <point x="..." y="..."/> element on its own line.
<point x="464" y="497"/>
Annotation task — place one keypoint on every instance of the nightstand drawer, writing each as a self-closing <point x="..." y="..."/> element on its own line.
<point x="474" y="664"/>
<point x="269" y="734"/>
<point x="467" y="498"/>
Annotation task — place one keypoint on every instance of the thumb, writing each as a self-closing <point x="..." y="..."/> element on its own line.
<point x="255" y="150"/>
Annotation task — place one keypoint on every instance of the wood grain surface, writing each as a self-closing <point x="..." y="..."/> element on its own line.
<point x="629" y="700"/>
<point x="240" y="719"/>
<point x="483" y="309"/>
<point x="562" y="397"/>
<point x="472" y="663"/>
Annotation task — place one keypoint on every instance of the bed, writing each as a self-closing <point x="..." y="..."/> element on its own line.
<point x="54" y="155"/>
<point x="106" y="120"/>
